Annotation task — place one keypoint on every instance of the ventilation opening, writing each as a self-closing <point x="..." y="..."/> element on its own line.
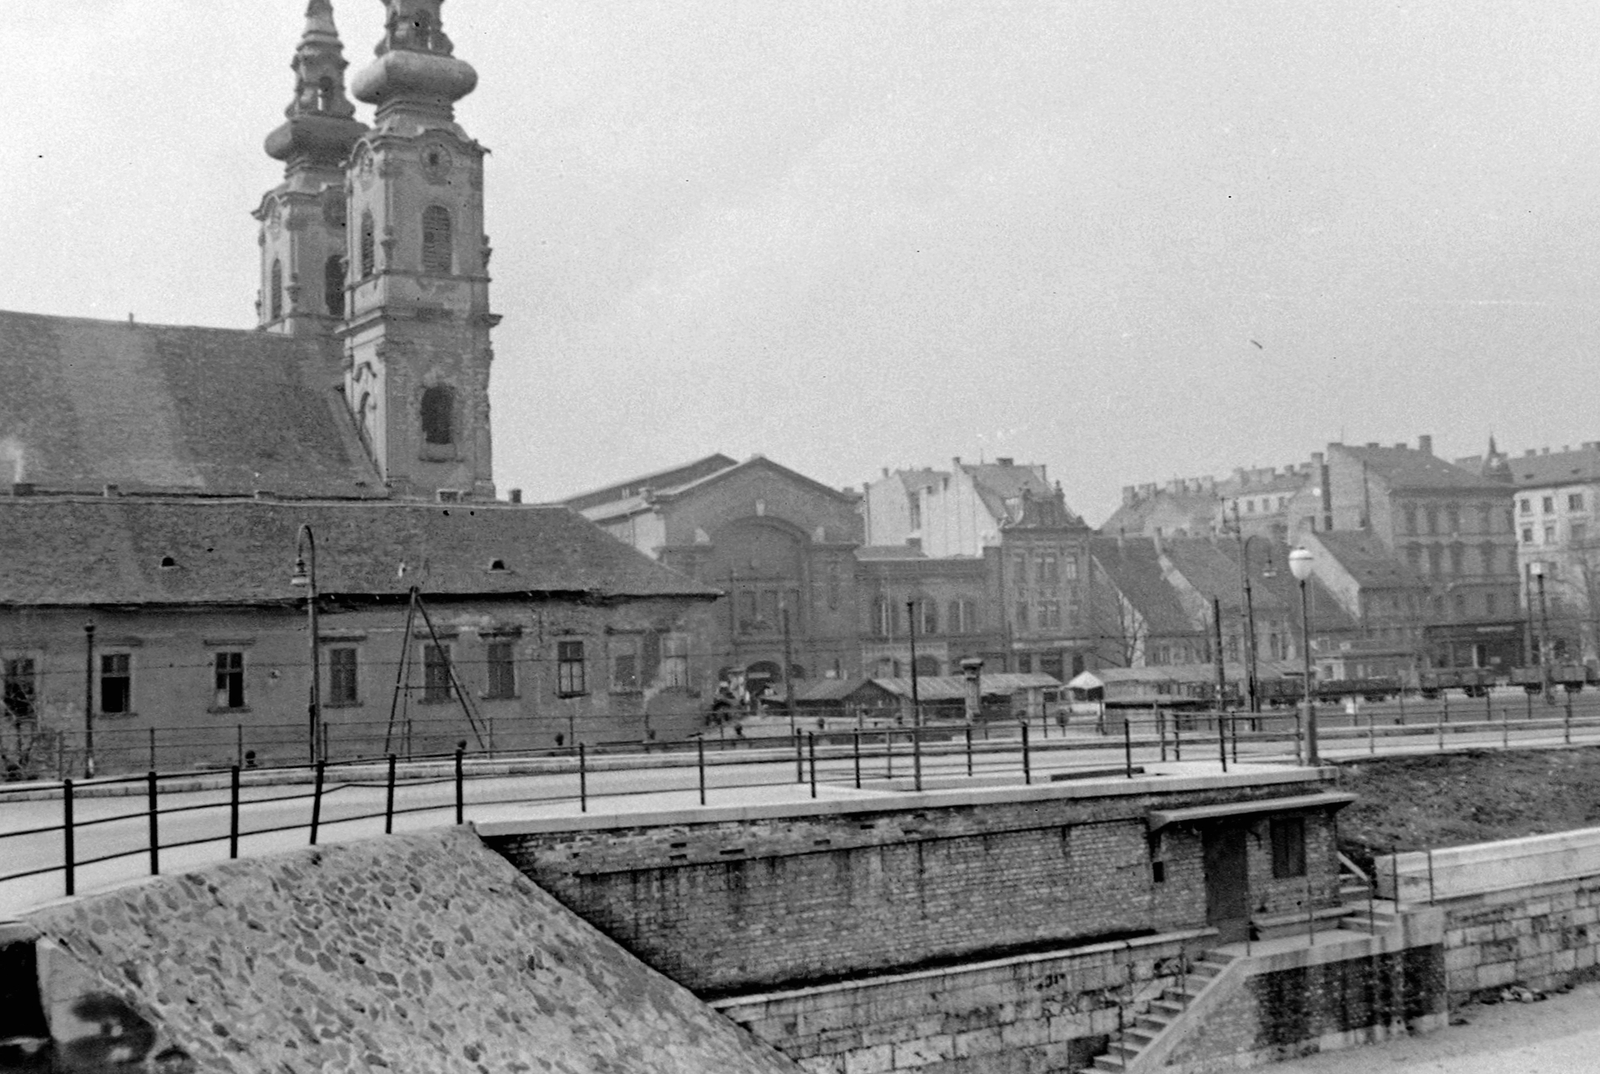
<point x="168" y="562"/>
<point x="497" y="564"/>
<point x="448" y="495"/>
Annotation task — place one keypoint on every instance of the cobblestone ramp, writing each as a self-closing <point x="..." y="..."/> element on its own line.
<point x="424" y="953"/>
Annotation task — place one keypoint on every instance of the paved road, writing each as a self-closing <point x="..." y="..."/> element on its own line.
<point x="277" y="817"/>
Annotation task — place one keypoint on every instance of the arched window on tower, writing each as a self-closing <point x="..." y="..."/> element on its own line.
<point x="436" y="239"/>
<point x="333" y="285"/>
<point x="364" y="418"/>
<point x="368" y="242"/>
<point x="438" y="415"/>
<point x="275" y="286"/>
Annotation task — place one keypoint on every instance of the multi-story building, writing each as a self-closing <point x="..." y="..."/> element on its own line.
<point x="1556" y="508"/>
<point x="1255" y="501"/>
<point x="781" y="545"/>
<point x="1383" y="596"/>
<point x="1452" y="527"/>
<point x="1009" y="516"/>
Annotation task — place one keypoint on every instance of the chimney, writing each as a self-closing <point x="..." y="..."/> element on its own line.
<point x="1327" y="498"/>
<point x="955" y="461"/>
<point x="1425" y="444"/>
<point x="112" y="491"/>
<point x="885" y="471"/>
<point x="516" y="495"/>
<point x="1130" y="494"/>
<point x="1005" y="460"/>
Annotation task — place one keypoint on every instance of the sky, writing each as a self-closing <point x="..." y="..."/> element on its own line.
<point x="1130" y="239"/>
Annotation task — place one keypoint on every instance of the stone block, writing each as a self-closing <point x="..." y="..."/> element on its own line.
<point x="1496" y="974"/>
<point x="1460" y="958"/>
<point x="870" y="1060"/>
<point x="912" y="1054"/>
<point x="978" y="1043"/>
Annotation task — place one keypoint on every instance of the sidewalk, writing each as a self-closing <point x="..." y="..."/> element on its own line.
<point x="1556" y="1036"/>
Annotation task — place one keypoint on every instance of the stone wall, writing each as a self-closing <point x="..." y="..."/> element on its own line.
<point x="1523" y="911"/>
<point x="422" y="953"/>
<point x="737" y="900"/>
<point x="1049" y="1011"/>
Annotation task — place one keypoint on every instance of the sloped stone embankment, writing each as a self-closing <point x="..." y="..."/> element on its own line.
<point x="423" y="953"/>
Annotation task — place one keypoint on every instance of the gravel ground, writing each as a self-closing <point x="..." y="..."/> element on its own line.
<point x="1559" y="1035"/>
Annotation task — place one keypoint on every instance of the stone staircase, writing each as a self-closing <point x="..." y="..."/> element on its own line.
<point x="1150" y="1041"/>
<point x="1146" y="1044"/>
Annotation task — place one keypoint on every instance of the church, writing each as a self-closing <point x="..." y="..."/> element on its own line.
<point x="274" y="545"/>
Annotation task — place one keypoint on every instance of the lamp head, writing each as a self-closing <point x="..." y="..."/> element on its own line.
<point x="1300" y="564"/>
<point x="299" y="577"/>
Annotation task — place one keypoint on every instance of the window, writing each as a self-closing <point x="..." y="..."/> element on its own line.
<point x="1490" y="604"/>
<point x="436" y="252"/>
<point x="1460" y="604"/>
<point x="368" y="245"/>
<point x="674" y="660"/>
<point x="928" y="616"/>
<point x="1486" y="518"/>
<point x="1574" y="501"/>
<point x="1435" y="559"/>
<point x="1288" y="847"/>
<point x="436" y="673"/>
<point x="1049" y="614"/>
<point x="1049" y="571"/>
<point x="1549" y="535"/>
<point x="916" y="510"/>
<point x="502" y="663"/>
<point x="20" y="695"/>
<point x="275" y="287"/>
<point x="342" y="681"/>
<point x="625" y="676"/>
<point x="1022" y="615"/>
<point x="1409" y="514"/>
<point x="1525" y="505"/>
<point x="1527" y="535"/>
<point x="333" y="285"/>
<point x="570" y="678"/>
<point x="1069" y="569"/>
<point x="1487" y="554"/>
<point x="438" y="415"/>
<point x="1579" y="532"/>
<point x="1019" y="568"/>
<point x="1547" y="504"/>
<point x="1432" y="516"/>
<point x="116" y="683"/>
<point x="230" y="680"/>
<point x="1414" y="556"/>
<point x="1458" y="559"/>
<point x="882" y="617"/>
<point x="954" y="622"/>
<point x="1250" y="507"/>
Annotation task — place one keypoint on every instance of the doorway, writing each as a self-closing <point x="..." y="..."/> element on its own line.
<point x="1227" y="881"/>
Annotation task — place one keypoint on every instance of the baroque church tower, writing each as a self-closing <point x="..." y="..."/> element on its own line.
<point x="302" y="234"/>
<point x="416" y="328"/>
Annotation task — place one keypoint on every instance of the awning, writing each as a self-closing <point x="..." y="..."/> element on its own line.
<point x="1161" y="818"/>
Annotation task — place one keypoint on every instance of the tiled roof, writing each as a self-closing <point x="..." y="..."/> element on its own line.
<point x="1367" y="559"/>
<point x="79" y="551"/>
<point x="1556" y="468"/>
<point x="1134" y="568"/>
<point x="603" y="510"/>
<point x="155" y="408"/>
<point x="671" y="478"/>
<point x="996" y="483"/>
<point x="1408" y="468"/>
<point x="916" y="480"/>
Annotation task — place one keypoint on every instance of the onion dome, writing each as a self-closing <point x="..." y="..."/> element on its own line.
<point x="415" y="74"/>
<point x="320" y="128"/>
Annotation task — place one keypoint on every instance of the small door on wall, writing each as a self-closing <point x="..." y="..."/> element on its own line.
<point x="1227" y="881"/>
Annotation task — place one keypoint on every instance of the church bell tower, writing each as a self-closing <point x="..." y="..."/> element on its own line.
<point x="302" y="234"/>
<point x="416" y="332"/>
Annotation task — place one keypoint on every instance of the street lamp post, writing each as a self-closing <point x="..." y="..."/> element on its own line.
<point x="1536" y="568"/>
<point x="1300" y="566"/>
<point x="305" y="574"/>
<point x="916" y="700"/>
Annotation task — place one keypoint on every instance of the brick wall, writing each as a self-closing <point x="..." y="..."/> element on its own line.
<point x="741" y="904"/>
<point x="1036" y="1012"/>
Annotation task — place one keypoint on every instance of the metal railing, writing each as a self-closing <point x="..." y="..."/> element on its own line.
<point x="144" y="815"/>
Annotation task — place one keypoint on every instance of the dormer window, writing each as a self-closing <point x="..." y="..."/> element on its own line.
<point x="497" y="564"/>
<point x="168" y="562"/>
<point x="438" y="415"/>
<point x="436" y="242"/>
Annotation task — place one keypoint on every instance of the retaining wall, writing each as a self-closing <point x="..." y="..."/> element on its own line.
<point x="736" y="900"/>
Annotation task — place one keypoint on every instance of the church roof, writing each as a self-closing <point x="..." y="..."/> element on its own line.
<point x="123" y="550"/>
<point x="163" y="409"/>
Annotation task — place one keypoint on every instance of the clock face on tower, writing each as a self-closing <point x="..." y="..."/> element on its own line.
<point x="436" y="163"/>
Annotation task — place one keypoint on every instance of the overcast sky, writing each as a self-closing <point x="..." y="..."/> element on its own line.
<point x="1130" y="239"/>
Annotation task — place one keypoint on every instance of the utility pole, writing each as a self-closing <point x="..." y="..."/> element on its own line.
<point x="1216" y="641"/>
<point x="788" y="666"/>
<point x="916" y="701"/>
